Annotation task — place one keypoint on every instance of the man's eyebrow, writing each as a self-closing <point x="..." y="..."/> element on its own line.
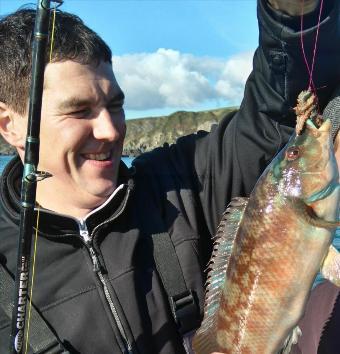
<point x="74" y="102"/>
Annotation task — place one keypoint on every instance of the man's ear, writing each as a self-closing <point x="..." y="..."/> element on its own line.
<point x="12" y="127"/>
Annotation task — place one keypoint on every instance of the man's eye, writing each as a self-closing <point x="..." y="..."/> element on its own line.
<point x="81" y="112"/>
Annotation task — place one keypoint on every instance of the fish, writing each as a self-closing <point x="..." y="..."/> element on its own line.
<point x="269" y="248"/>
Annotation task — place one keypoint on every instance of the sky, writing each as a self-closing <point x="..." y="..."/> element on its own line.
<point x="171" y="55"/>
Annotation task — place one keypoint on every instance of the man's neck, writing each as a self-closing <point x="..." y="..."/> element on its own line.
<point x="60" y="204"/>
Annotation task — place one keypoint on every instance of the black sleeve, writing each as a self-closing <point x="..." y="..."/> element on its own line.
<point x="229" y="160"/>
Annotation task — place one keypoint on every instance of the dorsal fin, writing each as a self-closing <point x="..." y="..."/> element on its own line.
<point x="204" y="340"/>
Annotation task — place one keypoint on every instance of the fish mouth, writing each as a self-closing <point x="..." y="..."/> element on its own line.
<point x="325" y="126"/>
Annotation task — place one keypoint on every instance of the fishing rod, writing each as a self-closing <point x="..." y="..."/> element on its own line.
<point x="30" y="175"/>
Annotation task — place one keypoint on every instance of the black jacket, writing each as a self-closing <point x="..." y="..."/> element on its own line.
<point x="92" y="294"/>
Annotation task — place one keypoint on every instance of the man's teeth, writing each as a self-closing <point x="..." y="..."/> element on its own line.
<point x="98" y="157"/>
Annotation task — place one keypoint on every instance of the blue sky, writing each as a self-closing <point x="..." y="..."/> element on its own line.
<point x="172" y="55"/>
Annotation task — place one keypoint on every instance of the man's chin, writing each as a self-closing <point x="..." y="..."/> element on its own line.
<point x="103" y="193"/>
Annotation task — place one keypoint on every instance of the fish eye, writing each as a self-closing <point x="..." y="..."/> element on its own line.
<point x="292" y="153"/>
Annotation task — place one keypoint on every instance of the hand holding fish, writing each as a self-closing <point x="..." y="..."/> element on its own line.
<point x="269" y="249"/>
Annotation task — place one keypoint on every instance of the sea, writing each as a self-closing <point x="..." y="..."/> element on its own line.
<point x="128" y="160"/>
<point x="5" y="159"/>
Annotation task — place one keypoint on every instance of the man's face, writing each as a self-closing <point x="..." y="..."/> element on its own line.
<point x="81" y="136"/>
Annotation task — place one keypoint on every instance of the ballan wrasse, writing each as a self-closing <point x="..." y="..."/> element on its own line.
<point x="270" y="247"/>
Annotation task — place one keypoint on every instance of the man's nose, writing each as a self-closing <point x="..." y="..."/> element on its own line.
<point x="108" y="126"/>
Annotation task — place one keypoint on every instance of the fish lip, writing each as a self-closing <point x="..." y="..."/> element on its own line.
<point x="326" y="126"/>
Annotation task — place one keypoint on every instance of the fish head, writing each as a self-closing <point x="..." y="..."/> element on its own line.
<point x="306" y="169"/>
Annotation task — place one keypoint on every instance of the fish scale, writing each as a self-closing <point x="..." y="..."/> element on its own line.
<point x="268" y="250"/>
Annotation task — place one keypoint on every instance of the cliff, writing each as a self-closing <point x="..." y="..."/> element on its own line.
<point x="144" y="134"/>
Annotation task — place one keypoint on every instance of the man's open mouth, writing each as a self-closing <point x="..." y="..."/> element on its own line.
<point x="103" y="156"/>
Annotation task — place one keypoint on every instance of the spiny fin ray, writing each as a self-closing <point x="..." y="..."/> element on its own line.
<point x="291" y="340"/>
<point x="204" y="341"/>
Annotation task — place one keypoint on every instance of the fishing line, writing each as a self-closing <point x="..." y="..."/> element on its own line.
<point x="315" y="44"/>
<point x="310" y="70"/>
<point x="53" y="29"/>
<point x="32" y="280"/>
<point x="38" y="212"/>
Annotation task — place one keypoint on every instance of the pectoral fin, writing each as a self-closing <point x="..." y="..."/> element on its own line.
<point x="291" y="340"/>
<point x="331" y="266"/>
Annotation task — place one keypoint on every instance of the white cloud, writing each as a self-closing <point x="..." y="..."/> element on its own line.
<point x="168" y="78"/>
<point x="233" y="77"/>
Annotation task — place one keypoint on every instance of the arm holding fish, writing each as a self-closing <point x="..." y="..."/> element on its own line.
<point x="267" y="97"/>
<point x="229" y="160"/>
<point x="237" y="151"/>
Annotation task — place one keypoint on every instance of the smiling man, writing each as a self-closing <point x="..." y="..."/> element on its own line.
<point x="82" y="134"/>
<point x="121" y="252"/>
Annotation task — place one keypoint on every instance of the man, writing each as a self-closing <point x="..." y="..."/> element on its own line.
<point x="100" y="281"/>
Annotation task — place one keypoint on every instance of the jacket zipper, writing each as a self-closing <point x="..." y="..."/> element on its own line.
<point x="97" y="269"/>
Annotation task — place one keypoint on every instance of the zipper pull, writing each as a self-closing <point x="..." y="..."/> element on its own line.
<point x="85" y="235"/>
<point x="95" y="261"/>
<point x="83" y="231"/>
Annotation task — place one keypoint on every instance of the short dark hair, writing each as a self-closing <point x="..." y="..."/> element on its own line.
<point x="73" y="40"/>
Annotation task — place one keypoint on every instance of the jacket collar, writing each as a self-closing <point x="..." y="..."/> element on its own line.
<point x="52" y="224"/>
